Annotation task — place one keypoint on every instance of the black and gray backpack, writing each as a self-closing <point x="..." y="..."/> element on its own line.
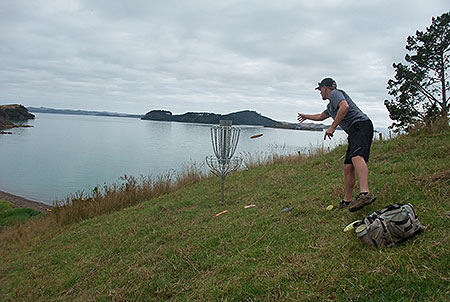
<point x="392" y="225"/>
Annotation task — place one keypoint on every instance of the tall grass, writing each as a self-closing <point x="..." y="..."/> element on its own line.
<point x="430" y="127"/>
<point x="129" y="191"/>
<point x="103" y="200"/>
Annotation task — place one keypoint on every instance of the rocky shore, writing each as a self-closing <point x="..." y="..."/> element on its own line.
<point x="9" y="114"/>
<point x="20" y="202"/>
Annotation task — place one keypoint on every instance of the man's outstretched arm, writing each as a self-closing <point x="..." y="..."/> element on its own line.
<point x="313" y="117"/>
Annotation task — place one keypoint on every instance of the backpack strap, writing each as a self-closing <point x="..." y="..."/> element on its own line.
<point x="383" y="225"/>
<point x="393" y="206"/>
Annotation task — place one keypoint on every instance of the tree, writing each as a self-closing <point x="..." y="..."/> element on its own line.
<point x="420" y="87"/>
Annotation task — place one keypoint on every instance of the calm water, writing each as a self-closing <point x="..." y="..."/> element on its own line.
<point x="63" y="154"/>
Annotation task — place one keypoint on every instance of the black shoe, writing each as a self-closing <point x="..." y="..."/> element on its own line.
<point x="343" y="204"/>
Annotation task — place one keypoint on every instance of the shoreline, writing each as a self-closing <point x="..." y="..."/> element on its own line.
<point x="20" y="202"/>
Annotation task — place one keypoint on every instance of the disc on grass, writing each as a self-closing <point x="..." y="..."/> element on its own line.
<point x="350" y="226"/>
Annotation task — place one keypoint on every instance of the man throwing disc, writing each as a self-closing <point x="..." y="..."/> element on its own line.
<point x="359" y="128"/>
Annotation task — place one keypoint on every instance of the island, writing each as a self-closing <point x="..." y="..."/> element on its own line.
<point x="246" y="117"/>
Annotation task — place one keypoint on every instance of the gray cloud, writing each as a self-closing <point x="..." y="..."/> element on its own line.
<point x="203" y="56"/>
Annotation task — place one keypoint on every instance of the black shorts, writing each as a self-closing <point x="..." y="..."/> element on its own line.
<point x="359" y="141"/>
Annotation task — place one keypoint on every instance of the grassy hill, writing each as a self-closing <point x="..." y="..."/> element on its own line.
<point x="174" y="248"/>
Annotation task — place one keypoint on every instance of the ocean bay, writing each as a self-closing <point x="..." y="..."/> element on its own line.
<point x="64" y="154"/>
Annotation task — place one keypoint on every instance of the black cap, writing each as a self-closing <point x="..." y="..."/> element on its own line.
<point x="328" y="82"/>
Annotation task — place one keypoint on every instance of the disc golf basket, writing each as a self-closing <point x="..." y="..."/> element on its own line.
<point x="224" y="140"/>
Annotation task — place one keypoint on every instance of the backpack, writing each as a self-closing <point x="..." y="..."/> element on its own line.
<point x="392" y="225"/>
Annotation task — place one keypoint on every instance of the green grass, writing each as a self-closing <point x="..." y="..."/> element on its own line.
<point x="10" y="216"/>
<point x="174" y="248"/>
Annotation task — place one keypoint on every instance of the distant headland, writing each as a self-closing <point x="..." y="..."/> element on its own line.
<point x="81" y="112"/>
<point x="10" y="114"/>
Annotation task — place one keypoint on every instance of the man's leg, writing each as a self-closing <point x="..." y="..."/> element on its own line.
<point x="349" y="179"/>
<point x="362" y="171"/>
<point x="359" y="144"/>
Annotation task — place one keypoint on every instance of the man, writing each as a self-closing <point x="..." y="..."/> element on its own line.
<point x="359" y="128"/>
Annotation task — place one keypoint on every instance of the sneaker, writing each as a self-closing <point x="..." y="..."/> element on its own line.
<point x="361" y="201"/>
<point x="343" y="204"/>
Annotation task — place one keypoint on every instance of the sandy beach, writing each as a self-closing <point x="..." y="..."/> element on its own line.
<point x="20" y="202"/>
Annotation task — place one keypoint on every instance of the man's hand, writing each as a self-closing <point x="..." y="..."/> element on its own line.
<point x="329" y="132"/>
<point x="302" y="117"/>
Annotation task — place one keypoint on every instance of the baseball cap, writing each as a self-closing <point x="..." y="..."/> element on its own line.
<point x="328" y="82"/>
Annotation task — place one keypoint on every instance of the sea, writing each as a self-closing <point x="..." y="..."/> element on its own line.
<point x="62" y="155"/>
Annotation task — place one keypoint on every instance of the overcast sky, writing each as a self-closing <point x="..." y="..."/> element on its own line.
<point x="210" y="56"/>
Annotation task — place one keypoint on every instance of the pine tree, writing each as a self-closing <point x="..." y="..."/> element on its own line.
<point x="420" y="88"/>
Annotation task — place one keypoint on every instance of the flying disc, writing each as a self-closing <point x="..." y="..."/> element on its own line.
<point x="330" y="207"/>
<point x="256" y="135"/>
<point x="350" y="226"/>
